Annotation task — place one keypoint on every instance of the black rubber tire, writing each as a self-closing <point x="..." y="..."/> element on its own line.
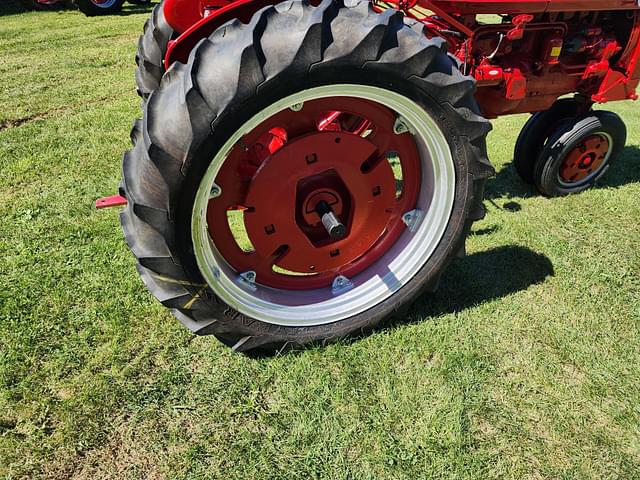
<point x="564" y="140"/>
<point x="536" y="132"/>
<point x="152" y="46"/>
<point x="239" y="70"/>
<point x="90" y="9"/>
<point x="139" y="2"/>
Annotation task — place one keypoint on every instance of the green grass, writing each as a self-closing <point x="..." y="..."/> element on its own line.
<point x="526" y="364"/>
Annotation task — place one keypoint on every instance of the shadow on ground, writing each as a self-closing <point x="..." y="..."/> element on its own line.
<point x="470" y="281"/>
<point x="11" y="7"/>
<point x="482" y="277"/>
<point x="507" y="184"/>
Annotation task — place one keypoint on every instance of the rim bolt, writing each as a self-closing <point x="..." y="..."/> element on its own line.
<point x="216" y="191"/>
<point x="401" y="126"/>
<point x="341" y="284"/>
<point x="248" y="279"/>
<point x="412" y="219"/>
<point x="296" y="107"/>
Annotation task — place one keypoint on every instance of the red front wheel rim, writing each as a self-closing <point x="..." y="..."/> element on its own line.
<point x="586" y="160"/>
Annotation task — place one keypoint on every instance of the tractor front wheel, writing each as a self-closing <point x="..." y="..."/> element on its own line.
<point x="536" y="132"/>
<point x="287" y="192"/>
<point x="579" y="153"/>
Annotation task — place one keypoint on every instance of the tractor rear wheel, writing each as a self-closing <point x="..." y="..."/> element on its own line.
<point x="288" y="192"/>
<point x="579" y="153"/>
<point x="536" y="132"/>
<point x="93" y="8"/>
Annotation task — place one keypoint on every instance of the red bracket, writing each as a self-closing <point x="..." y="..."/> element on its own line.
<point x="519" y="22"/>
<point x="112" y="201"/>
<point x="516" y="84"/>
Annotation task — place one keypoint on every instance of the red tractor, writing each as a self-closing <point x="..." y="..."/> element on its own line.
<point x="304" y="170"/>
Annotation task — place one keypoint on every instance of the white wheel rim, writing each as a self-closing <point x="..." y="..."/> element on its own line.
<point x="373" y="285"/>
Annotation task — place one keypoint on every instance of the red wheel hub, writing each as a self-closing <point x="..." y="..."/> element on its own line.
<point x="586" y="158"/>
<point x="336" y="150"/>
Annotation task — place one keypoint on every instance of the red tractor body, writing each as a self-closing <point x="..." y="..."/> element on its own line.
<point x="537" y="52"/>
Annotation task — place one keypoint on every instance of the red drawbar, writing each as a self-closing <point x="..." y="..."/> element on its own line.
<point x="112" y="201"/>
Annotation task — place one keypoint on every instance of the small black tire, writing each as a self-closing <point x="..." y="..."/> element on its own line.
<point x="236" y="72"/>
<point x="152" y="46"/>
<point x="566" y="139"/>
<point x="535" y="133"/>
<point x="139" y="2"/>
<point x="93" y="8"/>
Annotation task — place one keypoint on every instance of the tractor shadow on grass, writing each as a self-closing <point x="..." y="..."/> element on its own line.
<point x="468" y="282"/>
<point x="11" y="7"/>
<point x="507" y="184"/>
<point x="482" y="277"/>
<point x="626" y="169"/>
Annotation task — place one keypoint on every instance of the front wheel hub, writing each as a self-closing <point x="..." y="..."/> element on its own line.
<point x="586" y="160"/>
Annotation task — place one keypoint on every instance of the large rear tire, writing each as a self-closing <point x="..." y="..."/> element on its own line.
<point x="251" y="119"/>
<point x="152" y="47"/>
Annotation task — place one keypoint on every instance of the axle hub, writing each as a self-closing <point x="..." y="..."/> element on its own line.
<point x="585" y="159"/>
<point x="334" y="227"/>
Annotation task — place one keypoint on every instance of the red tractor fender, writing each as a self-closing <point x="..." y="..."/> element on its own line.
<point x="182" y="14"/>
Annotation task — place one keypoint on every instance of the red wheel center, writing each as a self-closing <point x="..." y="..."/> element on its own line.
<point x="586" y="158"/>
<point x="273" y="199"/>
<point x="586" y="161"/>
<point x="280" y="173"/>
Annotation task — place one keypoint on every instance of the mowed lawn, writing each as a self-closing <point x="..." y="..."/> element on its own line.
<point x="525" y="365"/>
